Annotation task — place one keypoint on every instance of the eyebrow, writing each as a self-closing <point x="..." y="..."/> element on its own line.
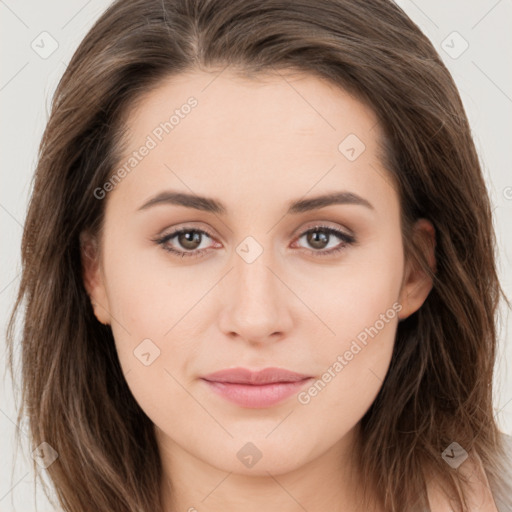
<point x="294" y="207"/>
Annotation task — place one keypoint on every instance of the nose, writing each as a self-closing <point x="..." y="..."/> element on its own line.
<point x="256" y="302"/>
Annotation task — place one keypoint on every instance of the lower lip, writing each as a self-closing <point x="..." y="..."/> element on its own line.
<point x="256" y="396"/>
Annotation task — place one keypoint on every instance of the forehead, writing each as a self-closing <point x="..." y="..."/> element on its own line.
<point x="283" y="102"/>
<point x="219" y="133"/>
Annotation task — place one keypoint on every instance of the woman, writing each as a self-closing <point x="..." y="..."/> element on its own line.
<point x="258" y="268"/>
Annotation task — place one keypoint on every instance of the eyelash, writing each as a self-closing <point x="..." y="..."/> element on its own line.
<point x="346" y="241"/>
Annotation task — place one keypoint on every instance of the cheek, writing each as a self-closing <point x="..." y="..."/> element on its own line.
<point x="354" y="369"/>
<point x="363" y="316"/>
<point x="154" y="311"/>
<point x="358" y="300"/>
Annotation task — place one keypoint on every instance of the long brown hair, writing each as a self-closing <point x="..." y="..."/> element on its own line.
<point x="439" y="385"/>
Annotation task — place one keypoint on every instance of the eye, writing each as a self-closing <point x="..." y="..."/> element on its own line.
<point x="187" y="242"/>
<point x="319" y="237"/>
<point x="188" y="239"/>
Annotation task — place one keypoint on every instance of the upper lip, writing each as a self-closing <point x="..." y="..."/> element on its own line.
<point x="245" y="376"/>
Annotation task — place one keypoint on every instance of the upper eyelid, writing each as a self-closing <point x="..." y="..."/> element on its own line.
<point x="321" y="225"/>
<point x="309" y="225"/>
<point x="296" y="234"/>
<point x="302" y="230"/>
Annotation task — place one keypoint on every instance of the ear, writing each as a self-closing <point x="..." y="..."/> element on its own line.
<point x="416" y="284"/>
<point x="92" y="276"/>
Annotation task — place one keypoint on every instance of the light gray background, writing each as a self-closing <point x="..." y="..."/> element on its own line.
<point x="28" y="80"/>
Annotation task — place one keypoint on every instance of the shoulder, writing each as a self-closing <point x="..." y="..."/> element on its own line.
<point x="477" y="490"/>
<point x="502" y="497"/>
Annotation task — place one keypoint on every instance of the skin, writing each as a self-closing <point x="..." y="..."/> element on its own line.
<point x="255" y="145"/>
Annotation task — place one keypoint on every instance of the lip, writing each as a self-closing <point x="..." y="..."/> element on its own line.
<point x="256" y="389"/>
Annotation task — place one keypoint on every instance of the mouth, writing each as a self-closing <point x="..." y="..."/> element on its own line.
<point x="256" y="389"/>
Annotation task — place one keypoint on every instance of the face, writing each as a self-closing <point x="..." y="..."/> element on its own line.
<point x="260" y="274"/>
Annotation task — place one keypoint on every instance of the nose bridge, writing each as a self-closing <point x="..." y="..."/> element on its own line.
<point x="255" y="304"/>
<point x="255" y="285"/>
<point x="255" y="282"/>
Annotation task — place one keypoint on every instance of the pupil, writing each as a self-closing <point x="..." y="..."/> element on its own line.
<point x="190" y="239"/>
<point x="318" y="239"/>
